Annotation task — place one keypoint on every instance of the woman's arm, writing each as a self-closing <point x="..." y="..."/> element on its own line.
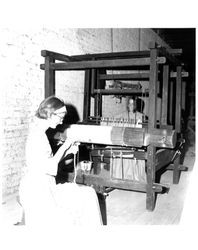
<point x="61" y="151"/>
<point x="52" y="165"/>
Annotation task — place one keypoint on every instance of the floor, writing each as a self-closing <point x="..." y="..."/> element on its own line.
<point x="129" y="208"/>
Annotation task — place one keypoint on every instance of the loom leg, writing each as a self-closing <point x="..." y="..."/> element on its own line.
<point x="150" y="193"/>
<point x="150" y="200"/>
<point x="176" y="171"/>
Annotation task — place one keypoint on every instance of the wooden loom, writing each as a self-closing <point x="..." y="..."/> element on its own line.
<point x="158" y="142"/>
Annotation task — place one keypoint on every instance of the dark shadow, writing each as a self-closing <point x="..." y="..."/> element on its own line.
<point x="71" y="117"/>
<point x="189" y="142"/>
<point x="139" y="105"/>
<point x="64" y="168"/>
<point x="186" y="134"/>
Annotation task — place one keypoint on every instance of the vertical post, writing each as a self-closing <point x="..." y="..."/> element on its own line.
<point x="93" y="80"/>
<point x="178" y="100"/>
<point x="171" y="103"/>
<point x="153" y="89"/>
<point x="87" y="95"/>
<point x="98" y="97"/>
<point x="150" y="194"/>
<point x="183" y="105"/>
<point x="176" y="171"/>
<point x="183" y="95"/>
<point x="49" y="77"/>
<point x="165" y="95"/>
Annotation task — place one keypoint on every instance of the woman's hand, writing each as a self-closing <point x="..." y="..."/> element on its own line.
<point x="65" y="150"/>
<point x="67" y="144"/>
<point x="73" y="149"/>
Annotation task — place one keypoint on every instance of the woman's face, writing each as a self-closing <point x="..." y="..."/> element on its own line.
<point x="131" y="105"/>
<point x="57" y="117"/>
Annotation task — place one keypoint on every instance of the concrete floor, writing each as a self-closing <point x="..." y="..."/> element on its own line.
<point x="129" y="208"/>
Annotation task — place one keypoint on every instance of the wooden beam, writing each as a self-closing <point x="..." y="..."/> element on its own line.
<point x="183" y="74"/>
<point x="167" y="52"/>
<point x="171" y="103"/>
<point x="98" y="96"/>
<point x="113" y="55"/>
<point x="178" y="101"/>
<point x="164" y="104"/>
<point x="82" y="65"/>
<point x="126" y="153"/>
<point x="151" y="150"/>
<point x="181" y="167"/>
<point x="153" y="89"/>
<point x="96" y="180"/>
<point x="93" y="80"/>
<point x="183" y="95"/>
<point x="117" y="84"/>
<point x="118" y="91"/>
<point x="171" y="58"/>
<point x="87" y="96"/>
<point x="55" y="56"/>
<point x="150" y="164"/>
<point x="49" y="77"/>
<point x="136" y="76"/>
<point x="132" y="76"/>
<point x="176" y="170"/>
<point x="175" y="51"/>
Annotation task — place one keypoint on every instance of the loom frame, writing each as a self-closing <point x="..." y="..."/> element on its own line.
<point x="159" y="61"/>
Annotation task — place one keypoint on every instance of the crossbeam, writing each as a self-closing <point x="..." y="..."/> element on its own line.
<point x="132" y="76"/>
<point x="91" y="179"/>
<point x="81" y="65"/>
<point x="136" y="76"/>
<point x="119" y="91"/>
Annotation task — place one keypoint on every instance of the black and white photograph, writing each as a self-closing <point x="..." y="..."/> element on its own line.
<point x="98" y="126"/>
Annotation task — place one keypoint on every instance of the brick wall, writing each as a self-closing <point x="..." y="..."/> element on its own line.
<point x="23" y="82"/>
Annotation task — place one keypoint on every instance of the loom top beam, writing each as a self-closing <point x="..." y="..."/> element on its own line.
<point x="113" y="63"/>
<point x="124" y="54"/>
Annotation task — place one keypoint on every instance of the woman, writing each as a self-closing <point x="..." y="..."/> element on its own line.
<point x="135" y="107"/>
<point x="43" y="201"/>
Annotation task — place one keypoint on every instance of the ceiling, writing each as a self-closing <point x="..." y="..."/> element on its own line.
<point x="181" y="38"/>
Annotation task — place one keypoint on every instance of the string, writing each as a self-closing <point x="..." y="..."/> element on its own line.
<point x="122" y="165"/>
<point x="75" y="169"/>
<point x="111" y="164"/>
<point x="76" y="160"/>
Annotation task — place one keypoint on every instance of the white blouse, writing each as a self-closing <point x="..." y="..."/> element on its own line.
<point x="39" y="157"/>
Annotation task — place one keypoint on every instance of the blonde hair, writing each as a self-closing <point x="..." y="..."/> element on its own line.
<point x="48" y="106"/>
